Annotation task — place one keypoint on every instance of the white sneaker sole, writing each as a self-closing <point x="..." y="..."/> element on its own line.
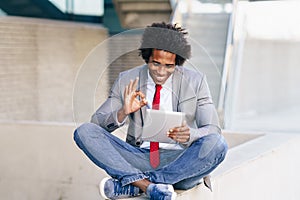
<point x="171" y="189"/>
<point x="101" y="187"/>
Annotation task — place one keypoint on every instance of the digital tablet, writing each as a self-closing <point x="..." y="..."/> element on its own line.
<point x="158" y="122"/>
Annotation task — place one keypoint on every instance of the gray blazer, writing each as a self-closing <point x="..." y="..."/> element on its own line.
<point x="191" y="95"/>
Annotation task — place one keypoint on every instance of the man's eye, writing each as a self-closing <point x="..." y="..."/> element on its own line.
<point x="156" y="64"/>
<point x="170" y="66"/>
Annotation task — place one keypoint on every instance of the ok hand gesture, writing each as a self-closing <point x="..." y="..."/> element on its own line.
<point x="131" y="103"/>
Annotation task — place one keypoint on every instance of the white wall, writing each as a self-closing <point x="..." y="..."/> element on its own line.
<point x="39" y="63"/>
<point x="263" y="84"/>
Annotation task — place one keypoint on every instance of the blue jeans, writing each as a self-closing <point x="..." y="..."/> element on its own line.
<point x="181" y="168"/>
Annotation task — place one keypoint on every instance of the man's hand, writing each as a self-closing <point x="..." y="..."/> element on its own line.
<point x="180" y="134"/>
<point x="131" y="103"/>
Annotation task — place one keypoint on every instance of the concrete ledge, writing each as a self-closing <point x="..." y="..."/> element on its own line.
<point x="262" y="168"/>
<point x="41" y="161"/>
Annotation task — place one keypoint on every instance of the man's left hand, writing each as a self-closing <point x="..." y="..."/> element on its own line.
<point x="180" y="134"/>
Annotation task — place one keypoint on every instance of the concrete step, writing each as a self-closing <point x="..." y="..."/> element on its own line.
<point x="209" y="31"/>
<point x="206" y="19"/>
<point x="140" y="13"/>
<point x="144" y="6"/>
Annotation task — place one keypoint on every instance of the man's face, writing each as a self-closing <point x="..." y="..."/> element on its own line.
<point x="161" y="65"/>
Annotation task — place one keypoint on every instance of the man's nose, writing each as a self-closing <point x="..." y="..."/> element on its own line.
<point x="161" y="69"/>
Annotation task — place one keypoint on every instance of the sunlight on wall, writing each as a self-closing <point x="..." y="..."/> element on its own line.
<point x="272" y="20"/>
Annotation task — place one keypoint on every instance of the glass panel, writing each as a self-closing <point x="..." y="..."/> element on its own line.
<point x="80" y="7"/>
<point x="90" y="7"/>
<point x="2" y="13"/>
<point x="60" y="4"/>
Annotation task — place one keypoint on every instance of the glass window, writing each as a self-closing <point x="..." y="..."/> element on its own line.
<point x="80" y="7"/>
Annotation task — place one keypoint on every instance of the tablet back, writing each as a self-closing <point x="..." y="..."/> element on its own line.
<point x="158" y="122"/>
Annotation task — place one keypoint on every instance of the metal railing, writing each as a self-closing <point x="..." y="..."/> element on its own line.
<point x="175" y="12"/>
<point x="227" y="59"/>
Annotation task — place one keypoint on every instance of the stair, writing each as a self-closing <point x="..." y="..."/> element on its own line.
<point x="208" y="34"/>
<point x="140" y="13"/>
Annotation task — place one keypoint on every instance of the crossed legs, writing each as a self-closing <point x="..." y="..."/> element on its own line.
<point x="130" y="165"/>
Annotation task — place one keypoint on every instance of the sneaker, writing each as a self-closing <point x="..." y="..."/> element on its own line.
<point x="161" y="192"/>
<point x="113" y="189"/>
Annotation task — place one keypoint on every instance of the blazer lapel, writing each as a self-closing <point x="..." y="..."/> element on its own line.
<point x="176" y="83"/>
<point x="143" y="87"/>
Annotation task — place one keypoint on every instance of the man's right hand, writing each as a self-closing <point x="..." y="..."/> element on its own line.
<point x="131" y="103"/>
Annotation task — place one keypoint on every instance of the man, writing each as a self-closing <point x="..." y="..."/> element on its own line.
<point x="136" y="166"/>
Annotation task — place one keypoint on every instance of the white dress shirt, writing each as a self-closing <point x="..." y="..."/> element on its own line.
<point x="164" y="104"/>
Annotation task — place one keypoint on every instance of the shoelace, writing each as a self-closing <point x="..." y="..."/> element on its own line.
<point x="125" y="190"/>
<point x="158" y="195"/>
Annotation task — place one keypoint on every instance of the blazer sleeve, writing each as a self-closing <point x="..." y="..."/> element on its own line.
<point x="206" y="117"/>
<point x="106" y="114"/>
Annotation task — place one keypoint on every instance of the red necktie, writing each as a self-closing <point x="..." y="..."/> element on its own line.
<point x="154" y="146"/>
